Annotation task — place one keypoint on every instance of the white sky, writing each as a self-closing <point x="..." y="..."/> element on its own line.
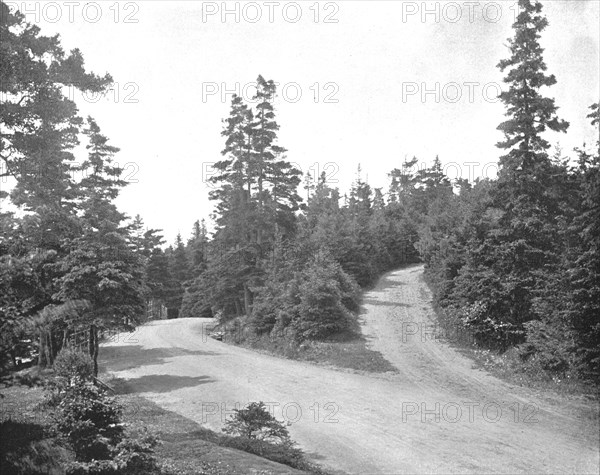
<point x="373" y="54"/>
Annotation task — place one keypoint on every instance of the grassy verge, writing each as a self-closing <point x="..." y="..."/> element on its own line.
<point x="508" y="366"/>
<point x="28" y="446"/>
<point x="187" y="448"/>
<point x="346" y="350"/>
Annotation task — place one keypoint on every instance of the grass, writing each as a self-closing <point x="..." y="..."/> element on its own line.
<point x="27" y="445"/>
<point x="187" y="448"/>
<point x="348" y="351"/>
<point x="345" y="350"/>
<point x="509" y="367"/>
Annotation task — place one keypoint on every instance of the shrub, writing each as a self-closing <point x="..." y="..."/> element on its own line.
<point x="71" y="362"/>
<point x="275" y="304"/>
<point x="256" y="422"/>
<point x="136" y="455"/>
<point x="255" y="430"/>
<point x="95" y="467"/>
<point x="310" y="304"/>
<point x="547" y="347"/>
<point x="324" y="293"/>
<point x="88" y="419"/>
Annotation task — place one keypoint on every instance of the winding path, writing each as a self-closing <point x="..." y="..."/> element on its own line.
<point x="437" y="414"/>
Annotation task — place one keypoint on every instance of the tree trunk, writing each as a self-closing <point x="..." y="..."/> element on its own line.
<point x="51" y="353"/>
<point x="238" y="309"/>
<point x="42" y="350"/>
<point x="96" y="350"/>
<point x="93" y="347"/>
<point x="65" y="341"/>
<point x="91" y="341"/>
<point x="47" y="349"/>
<point x="247" y="300"/>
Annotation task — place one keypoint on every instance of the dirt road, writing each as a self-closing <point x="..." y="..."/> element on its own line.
<point x="436" y="415"/>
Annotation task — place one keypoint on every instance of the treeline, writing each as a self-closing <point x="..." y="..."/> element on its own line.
<point x="512" y="261"/>
<point x="515" y="261"/>
<point x="294" y="270"/>
<point x="71" y="264"/>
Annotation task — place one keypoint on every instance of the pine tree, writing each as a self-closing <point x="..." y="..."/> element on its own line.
<point x="402" y="180"/>
<point x="198" y="247"/>
<point x="101" y="268"/>
<point x="276" y="179"/>
<point x="256" y="197"/>
<point x="429" y="186"/>
<point x="180" y="265"/>
<point x="40" y="128"/>
<point x="508" y="267"/>
<point x="583" y="262"/>
<point x="235" y="210"/>
<point x="39" y="123"/>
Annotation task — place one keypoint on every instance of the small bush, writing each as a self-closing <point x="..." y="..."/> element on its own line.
<point x="71" y="362"/>
<point x="88" y="419"/>
<point x="255" y="430"/>
<point x="90" y="422"/>
<point x="136" y="455"/>
<point x="256" y="422"/>
<point x="96" y="467"/>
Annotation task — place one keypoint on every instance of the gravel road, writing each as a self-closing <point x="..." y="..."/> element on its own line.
<point x="437" y="414"/>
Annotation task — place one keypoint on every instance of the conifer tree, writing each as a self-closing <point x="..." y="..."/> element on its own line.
<point x="508" y="268"/>
<point x="101" y="267"/>
<point x="256" y="196"/>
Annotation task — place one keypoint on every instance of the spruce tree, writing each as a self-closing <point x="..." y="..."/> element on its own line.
<point x="101" y="267"/>
<point x="256" y="196"/>
<point x="508" y="267"/>
<point x="583" y="264"/>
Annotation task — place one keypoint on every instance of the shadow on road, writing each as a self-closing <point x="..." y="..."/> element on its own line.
<point x="382" y="303"/>
<point x="158" y="383"/>
<point x="120" y="358"/>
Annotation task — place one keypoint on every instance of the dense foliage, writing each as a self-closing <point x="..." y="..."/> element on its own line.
<point x="514" y="261"/>
<point x="71" y="265"/>
<point x="89" y="421"/>
<point x="511" y="261"/>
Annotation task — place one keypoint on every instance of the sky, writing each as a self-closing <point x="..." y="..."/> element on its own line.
<point x="361" y="82"/>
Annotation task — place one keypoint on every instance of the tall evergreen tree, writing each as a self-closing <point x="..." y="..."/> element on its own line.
<point x="256" y="194"/>
<point x="235" y="210"/>
<point x="508" y="268"/>
<point x="198" y="248"/>
<point x="276" y="179"/>
<point x="582" y="263"/>
<point x="39" y="129"/>
<point x="101" y="268"/>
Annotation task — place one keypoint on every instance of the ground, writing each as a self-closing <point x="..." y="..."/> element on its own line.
<point x="436" y="414"/>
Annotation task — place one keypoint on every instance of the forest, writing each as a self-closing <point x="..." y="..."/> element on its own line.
<point x="284" y="260"/>
<point x="513" y="261"/>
